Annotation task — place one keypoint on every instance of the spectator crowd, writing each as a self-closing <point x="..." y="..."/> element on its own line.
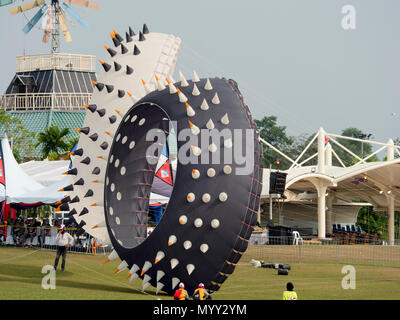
<point x="33" y="233"/>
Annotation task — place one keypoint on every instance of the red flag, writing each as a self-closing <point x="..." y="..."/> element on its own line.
<point x="164" y="173"/>
<point x="327" y="140"/>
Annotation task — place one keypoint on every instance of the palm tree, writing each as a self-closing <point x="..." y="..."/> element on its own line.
<point x="53" y="141"/>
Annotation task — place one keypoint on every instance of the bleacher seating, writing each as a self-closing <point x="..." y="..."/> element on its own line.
<point x="352" y="234"/>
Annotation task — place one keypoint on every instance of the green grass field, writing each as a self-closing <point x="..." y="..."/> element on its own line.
<point x="86" y="277"/>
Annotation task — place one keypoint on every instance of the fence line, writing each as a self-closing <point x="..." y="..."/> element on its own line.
<point x="47" y="240"/>
<point x="283" y="250"/>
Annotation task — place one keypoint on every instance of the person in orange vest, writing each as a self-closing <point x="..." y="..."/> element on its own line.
<point x="201" y="293"/>
<point x="181" y="293"/>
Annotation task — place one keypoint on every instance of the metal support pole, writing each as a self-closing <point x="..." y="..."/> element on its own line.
<point x="390" y="202"/>
<point x="270" y="207"/>
<point x="390" y="198"/>
<point x="321" y="151"/>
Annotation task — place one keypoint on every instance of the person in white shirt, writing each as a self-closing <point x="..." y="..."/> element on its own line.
<point x="63" y="241"/>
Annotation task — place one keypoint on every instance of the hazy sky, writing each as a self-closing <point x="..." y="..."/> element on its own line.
<point x="291" y="58"/>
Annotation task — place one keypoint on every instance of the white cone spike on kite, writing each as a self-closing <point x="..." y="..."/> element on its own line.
<point x="181" y="76"/>
<point x="206" y="198"/>
<point x="196" y="91"/>
<point x="215" y="223"/>
<point x="113" y="255"/>
<point x="223" y="196"/>
<point x="109" y="134"/>
<point x="225" y="119"/>
<point x="147" y="265"/>
<point x="172" y="239"/>
<point x="196" y="150"/>
<point x="198" y="223"/>
<point x="159" y="287"/>
<point x="172" y="88"/>
<point x="187" y="244"/>
<point x="215" y="100"/>
<point x="146" y="278"/>
<point x="212" y="147"/>
<point x="190" y="197"/>
<point x="183" y="81"/>
<point x="101" y="224"/>
<point x="204" y="248"/>
<point x="146" y="282"/>
<point x="208" y="85"/>
<point x="182" y="97"/>
<point x="210" y="124"/>
<point x="132" y="97"/>
<point x="145" y="285"/>
<point x="211" y="172"/>
<point x="174" y="262"/>
<point x="160" y="84"/>
<point x="195" y="77"/>
<point x="122" y="266"/>
<point x="190" y="268"/>
<point x="160" y="274"/>
<point x="134" y="276"/>
<point x="195" y="174"/>
<point x="159" y="256"/>
<point x="204" y="105"/>
<point x="195" y="129"/>
<point x="183" y="219"/>
<point x="146" y="87"/>
<point x="175" y="282"/>
<point x="135" y="268"/>
<point x="189" y="110"/>
<point x="228" y="143"/>
<point x="227" y="169"/>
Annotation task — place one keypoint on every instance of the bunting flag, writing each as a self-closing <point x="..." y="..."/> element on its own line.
<point x="2" y="174"/>
<point x="163" y="170"/>
<point x="3" y="213"/>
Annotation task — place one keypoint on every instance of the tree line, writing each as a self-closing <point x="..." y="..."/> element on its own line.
<point x="53" y="142"/>
<point x="54" y="145"/>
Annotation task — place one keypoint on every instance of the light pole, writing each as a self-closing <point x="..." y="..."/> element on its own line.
<point x="364" y="136"/>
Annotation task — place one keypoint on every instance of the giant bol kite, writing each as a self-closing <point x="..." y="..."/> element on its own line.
<point x="207" y="223"/>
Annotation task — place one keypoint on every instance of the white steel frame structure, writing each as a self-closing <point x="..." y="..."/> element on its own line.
<point x="382" y="178"/>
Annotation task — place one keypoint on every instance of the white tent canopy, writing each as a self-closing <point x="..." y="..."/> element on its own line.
<point x="23" y="188"/>
<point x="157" y="198"/>
<point x="47" y="172"/>
<point x="39" y="181"/>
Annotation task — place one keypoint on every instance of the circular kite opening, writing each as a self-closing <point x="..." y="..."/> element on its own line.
<point x="138" y="163"/>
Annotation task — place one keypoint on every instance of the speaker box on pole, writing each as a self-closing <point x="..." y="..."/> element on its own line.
<point x="277" y="182"/>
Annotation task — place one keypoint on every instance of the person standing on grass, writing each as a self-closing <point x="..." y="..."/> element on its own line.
<point x="63" y="241"/>
<point x="289" y="294"/>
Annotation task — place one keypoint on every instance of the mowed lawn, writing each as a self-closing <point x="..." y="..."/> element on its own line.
<point x="87" y="277"/>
